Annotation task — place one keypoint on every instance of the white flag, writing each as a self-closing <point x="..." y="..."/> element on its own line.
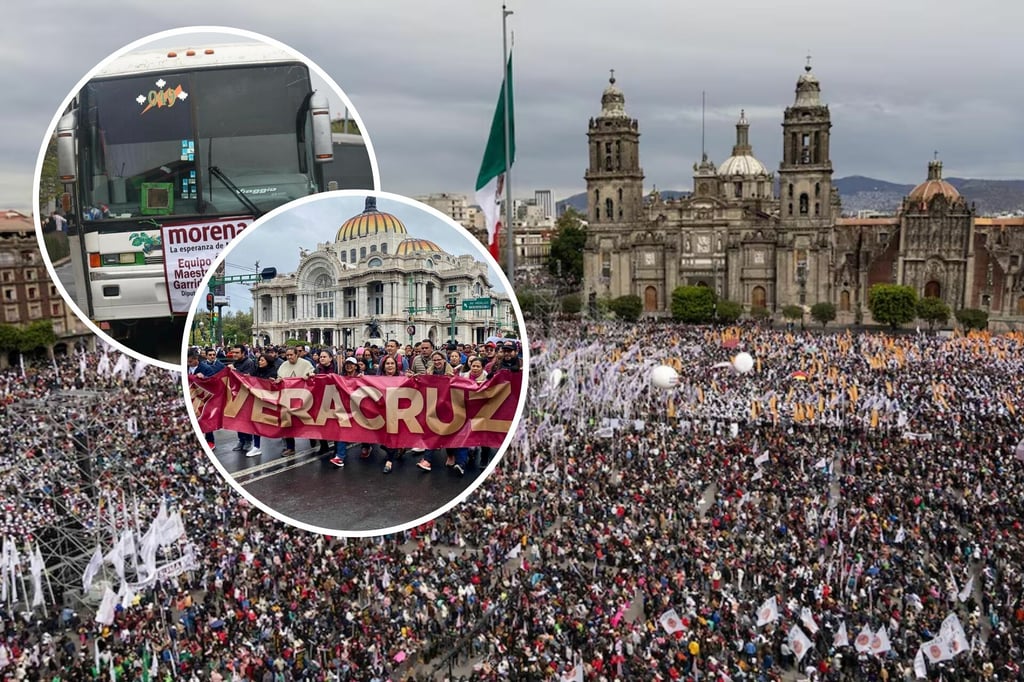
<point x="937" y="650"/>
<point x="92" y="569"/>
<point x="901" y="535"/>
<point x="968" y="591"/>
<point x="761" y="459"/>
<point x="880" y="642"/>
<point x="798" y="642"/>
<point x="670" y="621"/>
<point x="105" y="613"/>
<point x="36" y="566"/>
<point x="863" y="641"/>
<point x="808" y="620"/>
<point x="952" y="632"/>
<point x="920" y="669"/>
<point x="768" y="612"/>
<point x="841" y="638"/>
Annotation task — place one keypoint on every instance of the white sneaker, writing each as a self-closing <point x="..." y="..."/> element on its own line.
<point x="255" y="452"/>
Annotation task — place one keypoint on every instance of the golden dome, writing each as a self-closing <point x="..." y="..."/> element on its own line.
<point x="369" y="223"/>
<point x="934" y="185"/>
<point x="411" y="246"/>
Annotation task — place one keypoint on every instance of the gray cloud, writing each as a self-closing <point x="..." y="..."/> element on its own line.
<point x="901" y="79"/>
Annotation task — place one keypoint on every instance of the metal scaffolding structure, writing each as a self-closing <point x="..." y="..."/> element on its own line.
<point x="67" y="427"/>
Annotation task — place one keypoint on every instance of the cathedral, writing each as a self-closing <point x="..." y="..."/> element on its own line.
<point x="770" y="240"/>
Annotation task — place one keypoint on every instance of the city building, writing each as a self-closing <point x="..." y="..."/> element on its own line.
<point x="28" y="294"/>
<point x="764" y="249"/>
<point x="458" y="208"/>
<point x="377" y="281"/>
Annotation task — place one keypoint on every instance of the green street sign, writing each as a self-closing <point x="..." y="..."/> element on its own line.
<point x="477" y="304"/>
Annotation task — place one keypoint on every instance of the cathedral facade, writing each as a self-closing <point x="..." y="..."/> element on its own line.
<point x="770" y="240"/>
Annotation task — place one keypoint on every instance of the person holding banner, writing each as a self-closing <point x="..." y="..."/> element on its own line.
<point x="325" y="365"/>
<point x="389" y="368"/>
<point x="293" y="366"/>
<point x="265" y="369"/>
<point x="350" y="368"/>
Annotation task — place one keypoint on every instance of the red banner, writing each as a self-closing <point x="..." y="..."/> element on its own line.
<point x="409" y="412"/>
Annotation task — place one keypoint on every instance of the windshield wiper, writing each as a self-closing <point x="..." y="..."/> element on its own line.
<point x="246" y="201"/>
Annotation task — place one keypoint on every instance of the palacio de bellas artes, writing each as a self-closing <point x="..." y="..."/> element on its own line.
<point x="770" y="240"/>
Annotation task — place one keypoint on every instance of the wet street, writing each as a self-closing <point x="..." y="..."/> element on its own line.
<point x="359" y="497"/>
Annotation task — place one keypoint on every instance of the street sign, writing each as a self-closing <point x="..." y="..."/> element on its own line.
<point x="222" y="300"/>
<point x="477" y="304"/>
<point x="410" y="330"/>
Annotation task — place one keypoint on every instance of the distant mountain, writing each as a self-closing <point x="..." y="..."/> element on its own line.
<point x="858" y="183"/>
<point x="859" y="193"/>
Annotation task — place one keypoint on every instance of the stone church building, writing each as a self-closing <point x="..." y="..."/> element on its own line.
<point x="760" y="248"/>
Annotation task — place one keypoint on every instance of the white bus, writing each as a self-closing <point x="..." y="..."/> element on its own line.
<point x="166" y="155"/>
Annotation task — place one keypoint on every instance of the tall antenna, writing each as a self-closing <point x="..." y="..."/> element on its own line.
<point x="703" y="155"/>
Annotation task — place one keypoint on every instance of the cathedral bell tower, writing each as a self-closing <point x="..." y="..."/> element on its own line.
<point x="614" y="178"/>
<point x="614" y="194"/>
<point x="808" y="206"/>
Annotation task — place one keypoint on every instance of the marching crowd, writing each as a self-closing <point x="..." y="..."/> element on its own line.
<point x="474" y="362"/>
<point x="849" y="484"/>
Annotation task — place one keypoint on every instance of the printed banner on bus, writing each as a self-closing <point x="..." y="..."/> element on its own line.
<point x="402" y="412"/>
<point x="189" y="251"/>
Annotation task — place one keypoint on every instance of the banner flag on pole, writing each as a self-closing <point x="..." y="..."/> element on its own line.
<point x="490" y="181"/>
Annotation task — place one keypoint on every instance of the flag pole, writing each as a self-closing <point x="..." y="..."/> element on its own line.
<point x="510" y="242"/>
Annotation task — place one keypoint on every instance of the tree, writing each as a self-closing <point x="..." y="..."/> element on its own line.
<point x="237" y="326"/>
<point x="37" y="335"/>
<point x="760" y="313"/>
<point x="49" y="182"/>
<point x="972" y="318"/>
<point x="627" y="308"/>
<point x="565" y="259"/>
<point x="793" y="313"/>
<point x="823" y="312"/>
<point x="693" y="304"/>
<point x="892" y="304"/>
<point x="345" y="125"/>
<point x="933" y="311"/>
<point x="729" y="311"/>
<point x="572" y="304"/>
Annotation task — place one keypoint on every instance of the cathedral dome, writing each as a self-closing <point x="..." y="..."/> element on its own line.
<point x="411" y="246"/>
<point x="613" y="102"/>
<point x="744" y="164"/>
<point x="742" y="161"/>
<point x="933" y="186"/>
<point x="370" y="223"/>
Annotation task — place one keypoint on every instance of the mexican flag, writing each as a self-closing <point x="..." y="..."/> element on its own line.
<point x="490" y="182"/>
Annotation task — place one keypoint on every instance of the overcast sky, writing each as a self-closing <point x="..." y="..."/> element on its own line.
<point x="277" y="239"/>
<point x="902" y="79"/>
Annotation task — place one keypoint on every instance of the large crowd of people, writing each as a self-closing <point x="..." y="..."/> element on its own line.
<point x="866" y="482"/>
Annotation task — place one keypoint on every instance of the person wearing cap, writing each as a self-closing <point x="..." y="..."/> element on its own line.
<point x="349" y="370"/>
<point x="490" y="355"/>
<point x="509" y="359"/>
<point x="438" y="367"/>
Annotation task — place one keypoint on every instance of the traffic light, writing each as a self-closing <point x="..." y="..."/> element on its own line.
<point x="209" y="301"/>
<point x="216" y="318"/>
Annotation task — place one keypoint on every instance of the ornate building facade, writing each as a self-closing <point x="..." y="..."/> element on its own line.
<point x="27" y="292"/>
<point x="767" y="241"/>
<point x="375" y="281"/>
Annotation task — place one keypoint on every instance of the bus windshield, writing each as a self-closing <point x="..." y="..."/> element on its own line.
<point x="147" y="143"/>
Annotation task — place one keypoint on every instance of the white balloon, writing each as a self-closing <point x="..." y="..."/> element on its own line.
<point x="743" y="362"/>
<point x="664" y="376"/>
<point x="555" y="377"/>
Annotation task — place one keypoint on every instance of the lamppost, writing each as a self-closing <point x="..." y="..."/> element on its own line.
<point x="801" y="279"/>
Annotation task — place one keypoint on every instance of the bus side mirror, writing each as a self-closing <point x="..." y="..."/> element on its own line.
<point x="323" y="147"/>
<point x="67" y="148"/>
